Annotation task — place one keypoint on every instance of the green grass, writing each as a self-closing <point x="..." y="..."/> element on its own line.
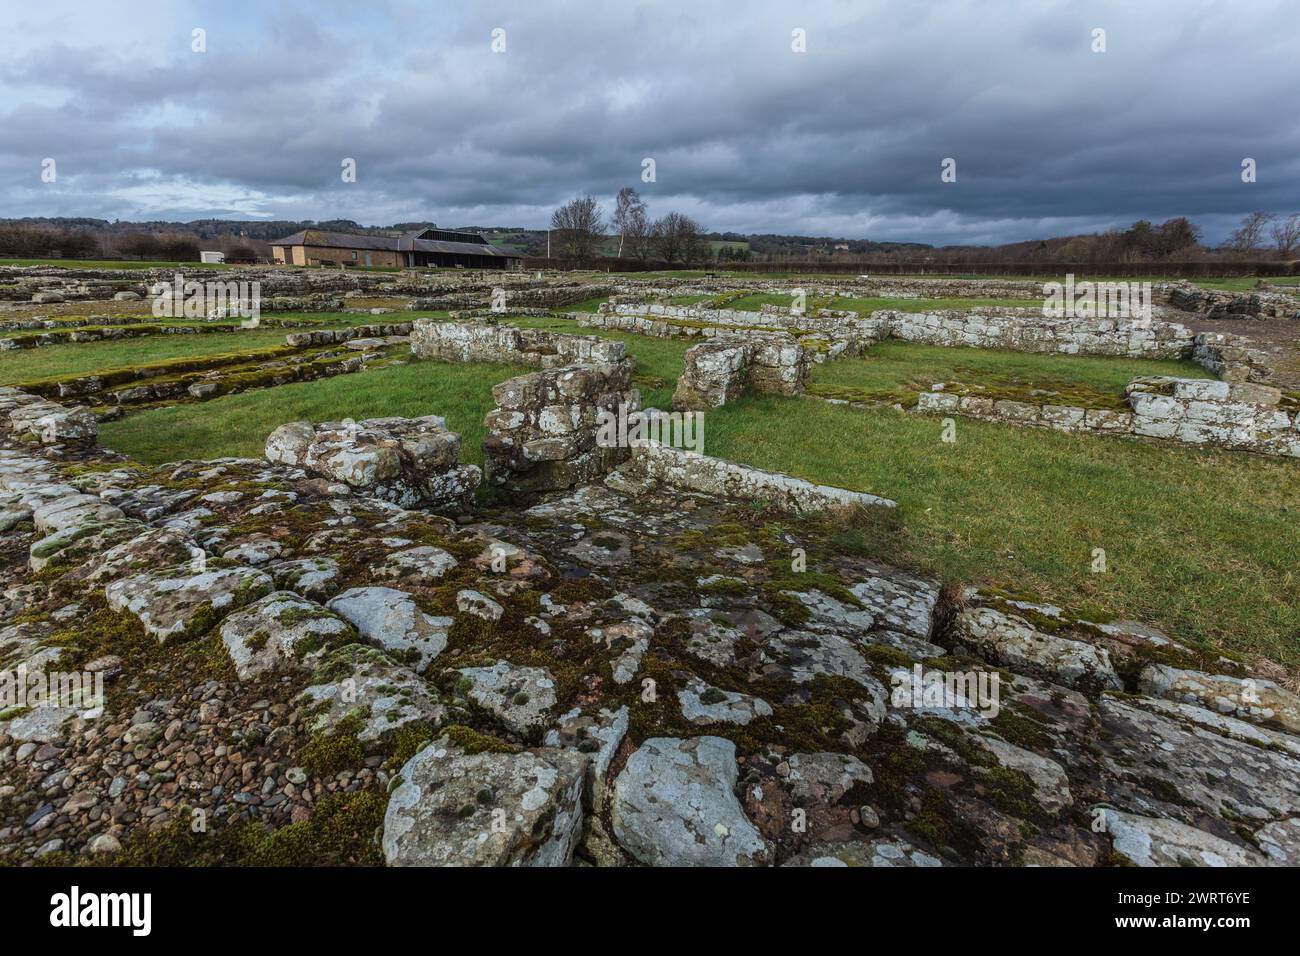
<point x="1202" y="543"/>
<point x="896" y="371"/>
<point x="460" y="393"/>
<point x="83" y="358"/>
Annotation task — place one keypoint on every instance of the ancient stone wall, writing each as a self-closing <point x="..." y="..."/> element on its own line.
<point x="717" y="372"/>
<point x="692" y="471"/>
<point x="543" y="434"/>
<point x="1234" y="358"/>
<point x="1218" y="304"/>
<point x="1027" y="330"/>
<point x="484" y="342"/>
<point x="1241" y="416"/>
<point x="408" y="461"/>
<point x="49" y="422"/>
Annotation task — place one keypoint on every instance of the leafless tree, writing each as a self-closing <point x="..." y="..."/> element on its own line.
<point x="638" y="234"/>
<point x="1251" y="232"/>
<point x="677" y="238"/>
<point x="626" y="207"/>
<point x="1286" y="234"/>
<point x="578" y="224"/>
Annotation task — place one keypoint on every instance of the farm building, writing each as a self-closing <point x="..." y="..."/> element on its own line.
<point x="428" y="247"/>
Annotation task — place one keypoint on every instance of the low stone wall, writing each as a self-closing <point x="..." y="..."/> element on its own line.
<point x="1027" y="330"/>
<point x="331" y="336"/>
<point x="714" y="373"/>
<point x="49" y="422"/>
<point x="543" y="433"/>
<point x="1233" y="415"/>
<point x="691" y="471"/>
<point x="1217" y="304"/>
<point x="829" y="333"/>
<point x="1233" y="358"/>
<point x="1241" y="416"/>
<point x="824" y="333"/>
<point x="484" y="342"/>
<point x="408" y="461"/>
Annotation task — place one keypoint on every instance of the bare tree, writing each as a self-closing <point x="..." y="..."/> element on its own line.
<point x="638" y="234"/>
<point x="1286" y="234"/>
<point x="626" y="207"/>
<point x="1251" y="233"/>
<point x="578" y="224"/>
<point x="677" y="237"/>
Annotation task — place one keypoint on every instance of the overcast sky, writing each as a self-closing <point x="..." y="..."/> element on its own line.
<point x="845" y="139"/>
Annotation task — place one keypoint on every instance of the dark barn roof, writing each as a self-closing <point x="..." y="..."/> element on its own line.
<point x="407" y="243"/>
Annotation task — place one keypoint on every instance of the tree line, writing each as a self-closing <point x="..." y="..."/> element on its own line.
<point x="579" y="229"/>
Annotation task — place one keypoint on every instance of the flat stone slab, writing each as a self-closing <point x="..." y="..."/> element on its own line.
<point x="282" y="631"/>
<point x="703" y="704"/>
<point x="391" y="620"/>
<point x="171" y="603"/>
<point x="520" y="697"/>
<point x="675" y="804"/>
<point x="366" y="682"/>
<point x="486" y="809"/>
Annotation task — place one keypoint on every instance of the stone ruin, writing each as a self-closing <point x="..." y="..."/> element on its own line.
<point x="48" y="422"/>
<point x="370" y="658"/>
<point x="412" y="462"/>
<point x="720" y="371"/>
<point x="544" y="433"/>
<point x="504" y="344"/>
<point x="1270" y="302"/>
<point x="1242" y="416"/>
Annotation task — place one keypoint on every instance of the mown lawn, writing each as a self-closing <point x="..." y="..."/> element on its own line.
<point x="897" y="371"/>
<point x="83" y="358"/>
<point x="237" y="425"/>
<point x="865" y="306"/>
<point x="1202" y="543"/>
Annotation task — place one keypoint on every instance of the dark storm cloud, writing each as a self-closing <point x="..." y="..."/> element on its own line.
<point x="845" y="139"/>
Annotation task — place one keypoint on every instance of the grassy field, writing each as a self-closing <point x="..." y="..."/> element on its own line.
<point x="896" y="371"/>
<point x="461" y="393"/>
<point x="82" y="358"/>
<point x="1199" y="542"/>
<point x="1202" y="543"/>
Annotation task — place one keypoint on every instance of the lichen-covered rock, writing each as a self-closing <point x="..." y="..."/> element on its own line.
<point x="1009" y="640"/>
<point x="364" y="683"/>
<point x="1152" y="841"/>
<point x="390" y="619"/>
<point x="75" y="545"/>
<point x="598" y="735"/>
<point x="408" y="461"/>
<point x="1252" y="698"/>
<point x="703" y="704"/>
<point x="313" y="577"/>
<point x="422" y="564"/>
<point x="485" y="809"/>
<point x="520" y="697"/>
<point x="674" y="804"/>
<point x="175" y="602"/>
<point x="545" y="432"/>
<point x="282" y="631"/>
